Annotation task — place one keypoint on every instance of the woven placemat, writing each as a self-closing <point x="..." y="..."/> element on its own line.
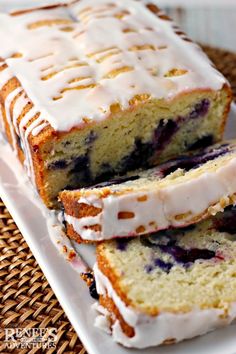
<point x="225" y="61"/>
<point x="26" y="298"/>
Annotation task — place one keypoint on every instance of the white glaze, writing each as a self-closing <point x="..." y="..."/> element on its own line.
<point x="154" y="330"/>
<point x="190" y="198"/>
<point x="60" y="47"/>
<point x="35" y="131"/>
<point x="57" y="51"/>
<point x="19" y="105"/>
<point x="1" y="121"/>
<point x="7" y="106"/>
<point x="101" y="320"/>
<point x="24" y="134"/>
<point x="56" y="48"/>
<point x="5" y="76"/>
<point x="15" y="5"/>
<point x="62" y="242"/>
<point x="79" y="226"/>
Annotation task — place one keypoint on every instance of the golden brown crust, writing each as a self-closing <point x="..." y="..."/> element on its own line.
<point x="129" y="331"/>
<point x="5" y="122"/>
<point x="109" y="272"/>
<point x="37" y="161"/>
<point x="229" y="93"/>
<point x="36" y="8"/>
<point x="78" y="210"/>
<point x="109" y="304"/>
<point x="75" y="209"/>
<point x="106" y="301"/>
<point x="157" y="11"/>
<point x="169" y="341"/>
<point x="72" y="234"/>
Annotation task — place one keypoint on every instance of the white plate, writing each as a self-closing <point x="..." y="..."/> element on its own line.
<point x="29" y="215"/>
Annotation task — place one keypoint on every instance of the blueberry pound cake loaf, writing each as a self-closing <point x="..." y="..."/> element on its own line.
<point x="170" y="286"/>
<point x="177" y="193"/>
<point x="97" y="88"/>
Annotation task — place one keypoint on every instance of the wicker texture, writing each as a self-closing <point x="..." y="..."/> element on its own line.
<point x="225" y="62"/>
<point x="26" y="299"/>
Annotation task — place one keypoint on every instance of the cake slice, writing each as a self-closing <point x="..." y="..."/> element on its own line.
<point x="80" y="105"/>
<point x="177" y="193"/>
<point x="170" y="286"/>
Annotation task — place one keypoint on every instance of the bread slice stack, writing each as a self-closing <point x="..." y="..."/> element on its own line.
<point x="165" y="244"/>
<point x="175" y="281"/>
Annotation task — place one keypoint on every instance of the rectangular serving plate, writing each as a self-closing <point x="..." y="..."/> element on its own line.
<point x="29" y="214"/>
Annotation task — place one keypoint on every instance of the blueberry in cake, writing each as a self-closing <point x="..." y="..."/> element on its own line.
<point x="171" y="285"/>
<point x="89" y="90"/>
<point x="177" y="193"/>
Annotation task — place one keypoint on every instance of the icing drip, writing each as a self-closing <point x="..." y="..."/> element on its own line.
<point x="7" y="103"/>
<point x="82" y="225"/>
<point x="5" y="76"/>
<point x="19" y="105"/>
<point x="15" y="6"/>
<point x="39" y="128"/>
<point x="24" y="134"/>
<point x="1" y="121"/>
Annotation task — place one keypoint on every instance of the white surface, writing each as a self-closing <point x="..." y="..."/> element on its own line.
<point x="211" y="25"/>
<point x="66" y="283"/>
<point x="196" y="3"/>
<point x="11" y="5"/>
<point x="22" y="4"/>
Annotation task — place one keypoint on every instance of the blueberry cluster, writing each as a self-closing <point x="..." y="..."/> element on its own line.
<point x="140" y="157"/>
<point x="167" y="242"/>
<point x="226" y="222"/>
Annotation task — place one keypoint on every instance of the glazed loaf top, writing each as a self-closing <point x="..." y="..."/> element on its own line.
<point x="78" y="62"/>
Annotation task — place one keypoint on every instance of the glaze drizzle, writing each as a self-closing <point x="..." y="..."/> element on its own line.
<point x="91" y="56"/>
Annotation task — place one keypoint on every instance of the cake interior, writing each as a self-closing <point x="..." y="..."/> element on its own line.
<point x="181" y="169"/>
<point x="175" y="270"/>
<point x="148" y="133"/>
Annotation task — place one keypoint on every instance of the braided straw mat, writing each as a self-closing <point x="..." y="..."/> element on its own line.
<point x="26" y="298"/>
